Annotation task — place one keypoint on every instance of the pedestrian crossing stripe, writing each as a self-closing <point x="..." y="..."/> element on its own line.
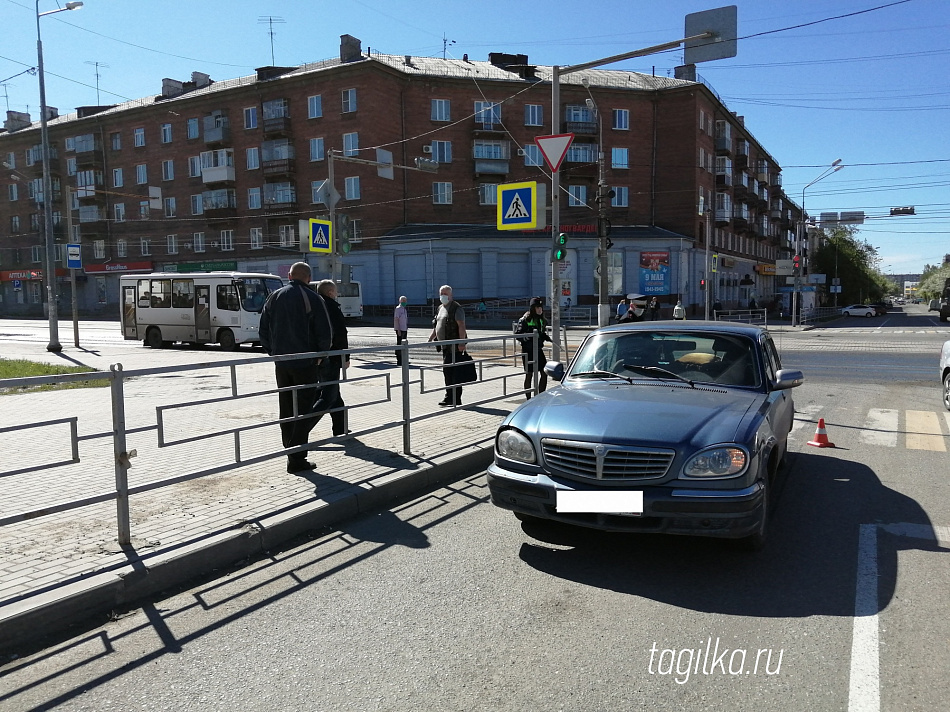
<point x="517" y="206"/>
<point x="321" y="236"/>
<point x="921" y="430"/>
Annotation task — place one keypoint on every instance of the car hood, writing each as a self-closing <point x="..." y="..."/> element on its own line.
<point x="646" y="414"/>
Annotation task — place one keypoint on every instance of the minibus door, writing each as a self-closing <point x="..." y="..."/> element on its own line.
<point x="128" y="312"/>
<point x="203" y="313"/>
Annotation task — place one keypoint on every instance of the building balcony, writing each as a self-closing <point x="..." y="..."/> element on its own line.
<point x="217" y="133"/>
<point x="280" y="207"/>
<point x="89" y="194"/>
<point x="740" y="217"/>
<point x="724" y="179"/>
<point x="90" y="159"/>
<point x="221" y="211"/>
<point x="217" y="174"/>
<point x="723" y="217"/>
<point x="491" y="166"/>
<point x="277" y="126"/>
<point x="586" y="128"/>
<point x="776" y="180"/>
<point x="580" y="170"/>
<point x="279" y="166"/>
<point x="724" y="146"/>
<point x="484" y="129"/>
<point x="740" y="185"/>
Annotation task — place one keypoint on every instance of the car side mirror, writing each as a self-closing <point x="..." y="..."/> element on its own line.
<point x="555" y="369"/>
<point x="788" y="378"/>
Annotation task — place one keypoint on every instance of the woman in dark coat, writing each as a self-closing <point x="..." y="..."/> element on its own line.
<point x="330" y="397"/>
<point x="533" y="321"/>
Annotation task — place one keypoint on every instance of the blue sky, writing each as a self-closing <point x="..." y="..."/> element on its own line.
<point x="870" y="88"/>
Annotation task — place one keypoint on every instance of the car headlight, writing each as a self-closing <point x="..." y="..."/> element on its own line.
<point x="514" y="445"/>
<point x="717" y="462"/>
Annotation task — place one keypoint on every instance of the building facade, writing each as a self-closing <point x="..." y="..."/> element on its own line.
<point x="218" y="175"/>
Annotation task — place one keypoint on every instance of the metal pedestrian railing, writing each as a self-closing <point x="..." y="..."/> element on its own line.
<point x="497" y="358"/>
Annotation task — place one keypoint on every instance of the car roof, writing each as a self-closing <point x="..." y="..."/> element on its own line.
<point x="752" y="331"/>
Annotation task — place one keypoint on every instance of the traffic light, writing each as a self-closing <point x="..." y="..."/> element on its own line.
<point x="559" y="251"/>
<point x="702" y="284"/>
<point x="907" y="210"/>
<point x="797" y="265"/>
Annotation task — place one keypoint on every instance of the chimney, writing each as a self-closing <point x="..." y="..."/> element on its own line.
<point x="51" y="113"/>
<point x="171" y="87"/>
<point x="16" y="120"/>
<point x="200" y="79"/>
<point x="685" y="71"/>
<point x="350" y="48"/>
<point x="408" y="60"/>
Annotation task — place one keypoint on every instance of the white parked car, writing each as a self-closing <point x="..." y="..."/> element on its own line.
<point x="945" y="373"/>
<point x="858" y="310"/>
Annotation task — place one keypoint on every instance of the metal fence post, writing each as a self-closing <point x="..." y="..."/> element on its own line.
<point x="237" y="434"/>
<point x="406" y="411"/>
<point x="122" y="462"/>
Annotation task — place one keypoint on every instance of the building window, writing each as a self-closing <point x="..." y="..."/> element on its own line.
<point x="253" y="158"/>
<point x="533" y="115"/>
<point x="166" y="133"/>
<point x="145" y="246"/>
<point x="532" y="155"/>
<point x="191" y="128"/>
<point x="13" y="191"/>
<point x="141" y="174"/>
<point x="71" y="166"/>
<point x="257" y="237"/>
<point x="250" y="117"/>
<point x="11" y="160"/>
<point x="622" y="119"/>
<point x="197" y="205"/>
<point x="442" y="151"/>
<point x="36" y="253"/>
<point x="29" y="157"/>
<point x="168" y="170"/>
<point x="35" y="219"/>
<point x="172" y="244"/>
<point x="620" y="158"/>
<point x="487" y="113"/>
<point x="581" y="153"/>
<point x="14" y="223"/>
<point x="351" y="144"/>
<point x="576" y="196"/>
<point x="138" y="137"/>
<point x="144" y="209"/>
<point x="488" y="194"/>
<point x="276" y="109"/>
<point x="492" y="150"/>
<point x="349" y="100"/>
<point x="316" y="149"/>
<point x="441" y="110"/>
<point x="169" y="207"/>
<point x="194" y="166"/>
<point x="121" y="248"/>
<point x="253" y="198"/>
<point x="316" y="191"/>
<point x="117" y="178"/>
<point x="227" y="240"/>
<point x="286" y="234"/>
<point x="118" y="210"/>
<point x="621" y="197"/>
<point x="352" y="188"/>
<point x="315" y="106"/>
<point x="199" y="241"/>
<point x="116" y="139"/>
<point x="442" y="193"/>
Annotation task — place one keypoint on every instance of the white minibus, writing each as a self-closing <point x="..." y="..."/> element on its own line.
<point x="349" y="295"/>
<point x="195" y="307"/>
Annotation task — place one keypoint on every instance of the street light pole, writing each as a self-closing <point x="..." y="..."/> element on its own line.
<point x="50" y="266"/>
<point x="803" y="233"/>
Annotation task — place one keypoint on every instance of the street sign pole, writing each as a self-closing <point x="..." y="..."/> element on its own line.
<point x="555" y="220"/>
<point x="72" y="272"/>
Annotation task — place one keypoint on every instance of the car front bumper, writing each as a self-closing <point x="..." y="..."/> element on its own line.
<point x="725" y="513"/>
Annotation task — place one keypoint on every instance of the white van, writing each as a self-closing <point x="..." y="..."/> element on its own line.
<point x="195" y="307"/>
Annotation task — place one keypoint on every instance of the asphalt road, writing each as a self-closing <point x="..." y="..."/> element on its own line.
<point x="448" y="603"/>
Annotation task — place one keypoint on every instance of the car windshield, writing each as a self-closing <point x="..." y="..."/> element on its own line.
<point x="700" y="357"/>
<point x="254" y="291"/>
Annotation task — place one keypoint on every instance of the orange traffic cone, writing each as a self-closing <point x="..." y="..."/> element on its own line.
<point x="821" y="437"/>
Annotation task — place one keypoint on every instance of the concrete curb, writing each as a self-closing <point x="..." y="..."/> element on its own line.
<point x="25" y="622"/>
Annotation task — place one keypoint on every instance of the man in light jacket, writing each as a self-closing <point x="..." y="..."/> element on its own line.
<point x="401" y="326"/>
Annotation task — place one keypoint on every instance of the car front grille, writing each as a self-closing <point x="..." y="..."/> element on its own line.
<point x="603" y="461"/>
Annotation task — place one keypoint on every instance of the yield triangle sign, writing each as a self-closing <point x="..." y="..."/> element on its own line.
<point x="554" y="148"/>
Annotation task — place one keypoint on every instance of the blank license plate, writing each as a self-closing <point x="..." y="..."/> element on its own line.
<point x="629" y="503"/>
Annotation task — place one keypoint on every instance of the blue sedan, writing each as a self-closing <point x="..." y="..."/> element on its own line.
<point x="668" y="427"/>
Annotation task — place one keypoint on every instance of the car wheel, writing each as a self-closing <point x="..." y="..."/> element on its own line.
<point x="756" y="540"/>
<point x="226" y="339"/>
<point x="846" y="313"/>
<point x="946" y="391"/>
<point x="869" y="314"/>
<point x="153" y="338"/>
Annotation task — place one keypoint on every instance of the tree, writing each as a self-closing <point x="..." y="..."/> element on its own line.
<point x="854" y="262"/>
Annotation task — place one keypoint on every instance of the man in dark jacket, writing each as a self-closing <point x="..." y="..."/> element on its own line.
<point x="330" y="397"/>
<point x="295" y="320"/>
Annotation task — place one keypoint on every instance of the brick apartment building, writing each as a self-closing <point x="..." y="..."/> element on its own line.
<point x="218" y="174"/>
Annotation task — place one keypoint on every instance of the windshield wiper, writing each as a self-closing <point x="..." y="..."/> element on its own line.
<point x="657" y="372"/>
<point x="602" y="374"/>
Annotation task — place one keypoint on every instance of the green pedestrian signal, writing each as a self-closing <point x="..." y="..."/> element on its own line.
<point x="559" y="251"/>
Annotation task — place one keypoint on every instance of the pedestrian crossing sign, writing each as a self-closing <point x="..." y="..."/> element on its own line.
<point x="518" y="206"/>
<point x="321" y="236"/>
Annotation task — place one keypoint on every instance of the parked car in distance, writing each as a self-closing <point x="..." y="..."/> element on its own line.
<point x="945" y="373"/>
<point x="880" y="308"/>
<point x="934" y="305"/>
<point x="676" y="428"/>
<point x="858" y="310"/>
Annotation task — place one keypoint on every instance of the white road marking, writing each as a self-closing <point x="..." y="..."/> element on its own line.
<point x="880" y="428"/>
<point x="804" y="416"/>
<point x="923" y="431"/>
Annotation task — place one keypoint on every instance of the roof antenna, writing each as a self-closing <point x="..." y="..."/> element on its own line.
<point x="97" y="65"/>
<point x="446" y="43"/>
<point x="270" y="20"/>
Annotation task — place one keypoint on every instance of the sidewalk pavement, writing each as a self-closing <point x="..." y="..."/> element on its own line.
<point x="65" y="567"/>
